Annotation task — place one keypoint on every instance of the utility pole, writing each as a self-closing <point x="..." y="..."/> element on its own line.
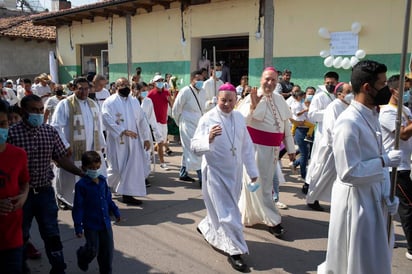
<point x="268" y="32"/>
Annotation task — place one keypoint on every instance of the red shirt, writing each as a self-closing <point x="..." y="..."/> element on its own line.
<point x="13" y="170"/>
<point x="160" y="104"/>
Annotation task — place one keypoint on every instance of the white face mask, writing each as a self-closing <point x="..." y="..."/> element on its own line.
<point x="218" y="73"/>
<point x="349" y="97"/>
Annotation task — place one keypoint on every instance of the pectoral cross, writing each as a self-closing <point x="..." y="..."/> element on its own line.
<point x="119" y="118"/>
<point x="233" y="150"/>
<point x="78" y="127"/>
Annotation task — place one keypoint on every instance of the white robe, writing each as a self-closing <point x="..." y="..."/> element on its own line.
<point x="211" y="88"/>
<point x="316" y="110"/>
<point x="126" y="161"/>
<point x="323" y="172"/>
<point x="222" y="180"/>
<point x="357" y="241"/>
<point x="258" y="207"/>
<point x="186" y="113"/>
<point x="65" y="180"/>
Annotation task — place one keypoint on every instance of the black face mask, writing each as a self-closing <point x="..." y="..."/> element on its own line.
<point x="330" y="88"/>
<point x="124" y="92"/>
<point x="382" y="96"/>
<point x="59" y="92"/>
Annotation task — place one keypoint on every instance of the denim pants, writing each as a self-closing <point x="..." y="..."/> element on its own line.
<point x="11" y="261"/>
<point x="100" y="243"/>
<point x="276" y="186"/>
<point x="43" y="207"/>
<point x="302" y="161"/>
<point x="404" y="193"/>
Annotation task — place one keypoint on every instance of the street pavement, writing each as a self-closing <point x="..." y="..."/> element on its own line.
<point x="160" y="235"/>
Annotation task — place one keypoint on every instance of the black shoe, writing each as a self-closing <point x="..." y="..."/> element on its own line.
<point x="200" y="184"/>
<point x="131" y="200"/>
<point x="80" y="263"/>
<point x="186" y="178"/>
<point x="169" y="152"/>
<point x="62" y="205"/>
<point x="148" y="184"/>
<point x="277" y="231"/>
<point x="305" y="188"/>
<point x="198" y="230"/>
<point x="237" y="263"/>
<point x="316" y="206"/>
<point x="26" y="269"/>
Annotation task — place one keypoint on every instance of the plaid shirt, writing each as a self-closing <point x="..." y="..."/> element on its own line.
<point x="42" y="145"/>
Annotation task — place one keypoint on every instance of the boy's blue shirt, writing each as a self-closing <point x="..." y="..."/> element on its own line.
<point x="92" y="205"/>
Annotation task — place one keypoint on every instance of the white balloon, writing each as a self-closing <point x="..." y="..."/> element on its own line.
<point x="346" y="63"/>
<point x="324" y="53"/>
<point x="328" y="62"/>
<point x="324" y="33"/>
<point x="356" y="27"/>
<point x="353" y="61"/>
<point x="360" y="53"/>
<point x="337" y="63"/>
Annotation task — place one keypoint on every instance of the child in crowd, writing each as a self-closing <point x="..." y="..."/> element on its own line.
<point x="300" y="117"/>
<point x="91" y="215"/>
<point x="14" y="187"/>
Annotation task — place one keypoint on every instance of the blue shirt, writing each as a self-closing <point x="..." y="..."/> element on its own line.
<point x="92" y="205"/>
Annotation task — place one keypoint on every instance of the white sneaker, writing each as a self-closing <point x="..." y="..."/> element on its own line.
<point x="164" y="166"/>
<point x="281" y="205"/>
<point x="408" y="255"/>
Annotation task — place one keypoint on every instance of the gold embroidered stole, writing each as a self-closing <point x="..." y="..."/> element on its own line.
<point x="77" y="127"/>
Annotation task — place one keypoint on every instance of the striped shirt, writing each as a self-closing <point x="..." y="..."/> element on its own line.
<point x="42" y="145"/>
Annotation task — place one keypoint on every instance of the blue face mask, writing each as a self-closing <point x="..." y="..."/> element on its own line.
<point x="308" y="98"/>
<point x="218" y="73"/>
<point x="406" y="96"/>
<point x="199" y="84"/>
<point x="4" y="132"/>
<point x="35" y="120"/>
<point x="160" y="84"/>
<point x="143" y="94"/>
<point x="92" y="173"/>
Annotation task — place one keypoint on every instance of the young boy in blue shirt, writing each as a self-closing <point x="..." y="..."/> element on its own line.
<point x="91" y="208"/>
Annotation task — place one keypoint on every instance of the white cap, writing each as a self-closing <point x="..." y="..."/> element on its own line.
<point x="157" y="78"/>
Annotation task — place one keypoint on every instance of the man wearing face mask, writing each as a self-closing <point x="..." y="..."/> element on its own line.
<point x="211" y="86"/>
<point x="187" y="110"/>
<point x="358" y="239"/>
<point x="161" y="99"/>
<point x="387" y="118"/>
<point x="128" y="136"/>
<point x="78" y="121"/>
<point x="52" y="102"/>
<point x="323" y="172"/>
<point x="43" y="145"/>
<point x="322" y="98"/>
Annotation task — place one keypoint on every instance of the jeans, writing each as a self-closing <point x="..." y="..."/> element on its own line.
<point x="302" y="161"/>
<point x="404" y="193"/>
<point x="11" y="261"/>
<point x="43" y="207"/>
<point x="183" y="173"/>
<point x="98" y="243"/>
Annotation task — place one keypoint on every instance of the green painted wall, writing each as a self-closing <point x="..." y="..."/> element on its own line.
<point x="306" y="71"/>
<point x="68" y="73"/>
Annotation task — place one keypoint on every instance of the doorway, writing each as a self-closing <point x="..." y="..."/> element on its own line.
<point x="95" y="60"/>
<point x="234" y="51"/>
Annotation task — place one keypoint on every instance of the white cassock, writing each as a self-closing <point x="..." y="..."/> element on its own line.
<point x="323" y="172"/>
<point x="147" y="106"/>
<point x="211" y="88"/>
<point x="61" y="121"/>
<point x="267" y="130"/>
<point x="125" y="155"/>
<point x="317" y="107"/>
<point x="222" y="178"/>
<point x="187" y="111"/>
<point x="357" y="241"/>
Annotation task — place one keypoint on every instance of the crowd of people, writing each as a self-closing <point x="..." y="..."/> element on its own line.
<point x="74" y="145"/>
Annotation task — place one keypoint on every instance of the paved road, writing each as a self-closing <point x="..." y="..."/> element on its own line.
<point x="160" y="236"/>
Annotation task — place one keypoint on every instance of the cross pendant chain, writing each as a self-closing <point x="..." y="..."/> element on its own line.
<point x="233" y="149"/>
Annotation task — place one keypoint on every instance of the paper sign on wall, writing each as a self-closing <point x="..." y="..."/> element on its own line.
<point x="343" y="43"/>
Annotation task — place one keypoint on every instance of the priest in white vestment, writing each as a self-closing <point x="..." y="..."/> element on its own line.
<point x="187" y="109"/>
<point x="211" y="87"/>
<point x="267" y="118"/>
<point x="78" y="122"/>
<point x="128" y="136"/>
<point x="323" y="173"/>
<point x="322" y="98"/>
<point x="222" y="138"/>
<point x="358" y="239"/>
